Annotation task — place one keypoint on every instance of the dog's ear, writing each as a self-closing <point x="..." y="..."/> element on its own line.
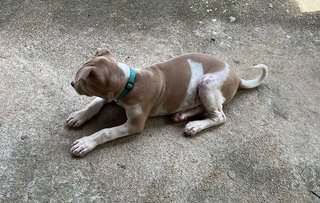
<point x="102" y="52"/>
<point x="85" y="74"/>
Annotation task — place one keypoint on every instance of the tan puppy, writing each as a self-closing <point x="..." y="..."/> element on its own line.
<point x="183" y="86"/>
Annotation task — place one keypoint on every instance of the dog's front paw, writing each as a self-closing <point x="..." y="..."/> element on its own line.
<point x="77" y="118"/>
<point x="82" y="146"/>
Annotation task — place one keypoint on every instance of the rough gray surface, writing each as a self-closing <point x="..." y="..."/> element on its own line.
<point x="268" y="151"/>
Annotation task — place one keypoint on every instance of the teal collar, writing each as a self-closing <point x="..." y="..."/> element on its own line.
<point x="129" y="86"/>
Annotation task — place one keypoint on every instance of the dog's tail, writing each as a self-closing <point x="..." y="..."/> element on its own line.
<point x="247" y="84"/>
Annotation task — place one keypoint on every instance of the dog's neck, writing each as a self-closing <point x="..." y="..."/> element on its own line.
<point x="125" y="69"/>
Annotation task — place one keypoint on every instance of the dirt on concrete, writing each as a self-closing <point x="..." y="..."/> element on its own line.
<point x="267" y="151"/>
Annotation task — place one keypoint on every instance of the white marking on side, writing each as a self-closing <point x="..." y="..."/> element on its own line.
<point x="218" y="78"/>
<point x="213" y="83"/>
<point x="196" y="70"/>
<point x="125" y="68"/>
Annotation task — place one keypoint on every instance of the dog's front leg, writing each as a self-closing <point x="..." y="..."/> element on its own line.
<point x="135" y="124"/>
<point x="77" y="118"/>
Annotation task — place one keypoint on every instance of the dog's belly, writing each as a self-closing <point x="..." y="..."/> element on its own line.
<point x="161" y="111"/>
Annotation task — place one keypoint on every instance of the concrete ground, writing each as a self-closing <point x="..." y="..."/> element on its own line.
<point x="268" y="151"/>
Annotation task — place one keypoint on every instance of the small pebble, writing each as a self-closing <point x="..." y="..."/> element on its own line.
<point x="236" y="62"/>
<point x="232" y="174"/>
<point x="232" y="19"/>
<point x="122" y="166"/>
<point x="271" y="5"/>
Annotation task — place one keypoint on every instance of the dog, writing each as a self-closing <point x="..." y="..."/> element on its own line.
<point x="183" y="86"/>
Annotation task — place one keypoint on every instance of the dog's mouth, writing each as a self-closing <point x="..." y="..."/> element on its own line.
<point x="74" y="87"/>
<point x="79" y="89"/>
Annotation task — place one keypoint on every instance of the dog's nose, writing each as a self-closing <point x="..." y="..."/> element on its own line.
<point x="72" y="84"/>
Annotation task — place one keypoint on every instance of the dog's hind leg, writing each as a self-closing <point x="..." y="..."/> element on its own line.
<point x="184" y="115"/>
<point x="211" y="97"/>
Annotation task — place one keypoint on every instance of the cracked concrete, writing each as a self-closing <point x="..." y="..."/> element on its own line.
<point x="267" y="151"/>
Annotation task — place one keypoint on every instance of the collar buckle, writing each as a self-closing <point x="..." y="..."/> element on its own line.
<point x="129" y="85"/>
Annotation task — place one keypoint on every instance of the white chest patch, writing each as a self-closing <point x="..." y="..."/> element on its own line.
<point x="125" y="68"/>
<point x="196" y="70"/>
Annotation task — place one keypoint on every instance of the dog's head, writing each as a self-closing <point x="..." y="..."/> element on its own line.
<point x="95" y="77"/>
